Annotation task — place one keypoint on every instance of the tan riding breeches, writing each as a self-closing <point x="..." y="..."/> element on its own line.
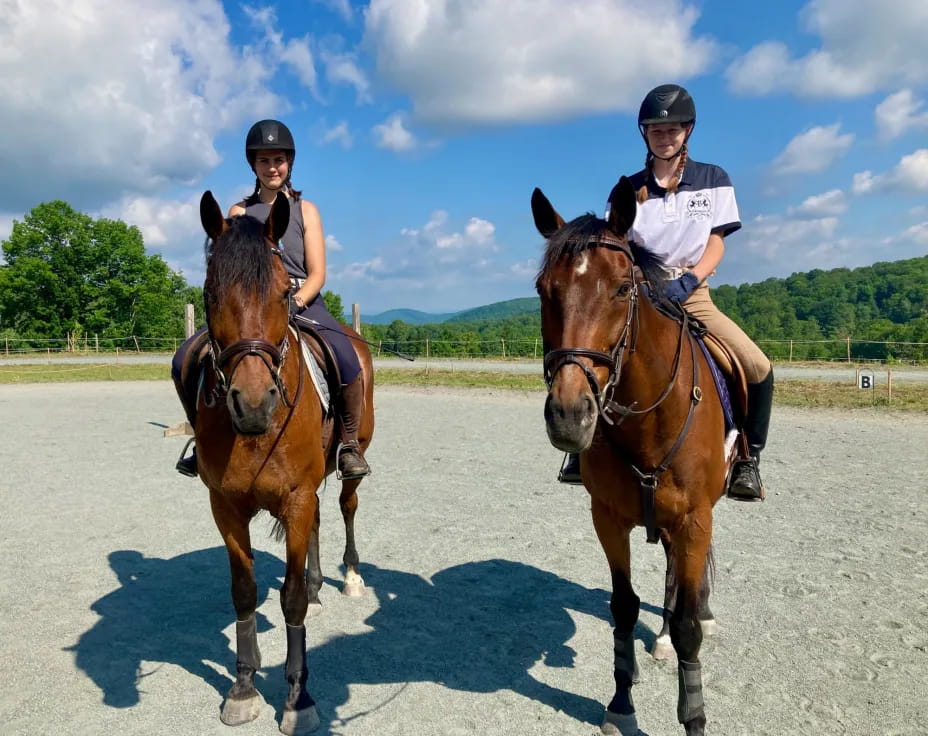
<point x="755" y="363"/>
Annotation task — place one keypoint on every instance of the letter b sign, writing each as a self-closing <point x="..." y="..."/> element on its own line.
<point x="865" y="380"/>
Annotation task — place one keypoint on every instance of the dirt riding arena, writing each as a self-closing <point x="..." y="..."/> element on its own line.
<point x="487" y="603"/>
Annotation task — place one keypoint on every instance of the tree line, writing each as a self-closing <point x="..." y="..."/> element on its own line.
<point x="879" y="307"/>
<point x="67" y="274"/>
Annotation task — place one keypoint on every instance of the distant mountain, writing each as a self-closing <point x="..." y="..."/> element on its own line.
<point x="498" y="310"/>
<point x="409" y="316"/>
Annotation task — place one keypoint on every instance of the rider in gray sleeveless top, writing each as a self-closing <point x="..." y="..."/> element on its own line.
<point x="269" y="147"/>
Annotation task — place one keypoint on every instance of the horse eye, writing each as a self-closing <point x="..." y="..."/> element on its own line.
<point x="624" y="289"/>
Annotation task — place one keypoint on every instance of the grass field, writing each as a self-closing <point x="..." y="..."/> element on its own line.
<point x="789" y="392"/>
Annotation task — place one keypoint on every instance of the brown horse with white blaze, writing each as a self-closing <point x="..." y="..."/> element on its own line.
<point x="630" y="390"/>
<point x="265" y="443"/>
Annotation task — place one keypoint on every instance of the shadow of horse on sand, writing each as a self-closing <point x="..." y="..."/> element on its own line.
<point x="476" y="627"/>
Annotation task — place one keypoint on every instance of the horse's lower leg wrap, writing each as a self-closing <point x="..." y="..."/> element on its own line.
<point x="624" y="673"/>
<point x="690" y="704"/>
<point x="296" y="653"/>
<point x="246" y="643"/>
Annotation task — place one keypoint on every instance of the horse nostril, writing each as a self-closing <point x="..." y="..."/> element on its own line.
<point x="273" y="391"/>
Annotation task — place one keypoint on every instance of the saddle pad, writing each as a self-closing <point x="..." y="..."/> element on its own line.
<point x="729" y="365"/>
<point x="316" y="374"/>
<point x="720" y="385"/>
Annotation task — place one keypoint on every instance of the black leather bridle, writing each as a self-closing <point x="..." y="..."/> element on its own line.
<point x="606" y="406"/>
<point x="226" y="361"/>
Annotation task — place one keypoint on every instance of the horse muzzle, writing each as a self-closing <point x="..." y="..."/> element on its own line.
<point x="252" y="413"/>
<point x="571" y="424"/>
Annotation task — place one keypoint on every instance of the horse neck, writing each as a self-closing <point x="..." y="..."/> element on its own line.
<point x="648" y="370"/>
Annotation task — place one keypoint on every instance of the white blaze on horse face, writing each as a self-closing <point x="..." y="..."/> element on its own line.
<point x="582" y="264"/>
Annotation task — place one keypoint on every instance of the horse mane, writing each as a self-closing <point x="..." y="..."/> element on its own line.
<point x="588" y="231"/>
<point x="240" y="258"/>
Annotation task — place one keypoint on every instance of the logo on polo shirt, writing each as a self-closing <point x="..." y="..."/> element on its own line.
<point x="699" y="206"/>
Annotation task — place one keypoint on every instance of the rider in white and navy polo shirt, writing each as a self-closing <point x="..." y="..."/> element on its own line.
<point x="685" y="211"/>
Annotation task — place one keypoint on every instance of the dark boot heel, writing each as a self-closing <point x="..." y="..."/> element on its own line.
<point x="188" y="465"/>
<point x="570" y="470"/>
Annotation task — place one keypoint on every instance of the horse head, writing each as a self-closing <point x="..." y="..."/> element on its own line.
<point x="246" y="295"/>
<point x="588" y="292"/>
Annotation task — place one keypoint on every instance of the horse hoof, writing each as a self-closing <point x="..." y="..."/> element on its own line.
<point x="313" y="609"/>
<point x="663" y="648"/>
<point x="709" y="627"/>
<point x="237" y="712"/>
<point x="615" y="724"/>
<point x="354" y="585"/>
<point x="295" y="722"/>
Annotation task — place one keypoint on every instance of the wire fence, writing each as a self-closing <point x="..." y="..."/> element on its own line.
<point x="848" y="350"/>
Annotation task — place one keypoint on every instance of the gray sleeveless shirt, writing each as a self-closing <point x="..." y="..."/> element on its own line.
<point x="293" y="251"/>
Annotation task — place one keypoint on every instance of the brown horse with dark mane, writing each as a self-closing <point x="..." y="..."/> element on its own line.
<point x="629" y="388"/>
<point x="265" y="442"/>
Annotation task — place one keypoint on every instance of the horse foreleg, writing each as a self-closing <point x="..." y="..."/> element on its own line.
<point x="243" y="702"/>
<point x="314" y="570"/>
<point x="663" y="647"/>
<point x="620" y="713"/>
<point x="689" y="550"/>
<point x="354" y="583"/>
<point x="299" y="714"/>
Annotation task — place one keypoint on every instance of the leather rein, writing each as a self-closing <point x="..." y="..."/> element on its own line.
<point x="606" y="405"/>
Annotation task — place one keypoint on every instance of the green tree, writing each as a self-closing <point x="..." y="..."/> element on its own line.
<point x="66" y="272"/>
<point x="333" y="303"/>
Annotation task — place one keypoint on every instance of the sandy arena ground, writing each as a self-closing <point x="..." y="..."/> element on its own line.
<point x="487" y="608"/>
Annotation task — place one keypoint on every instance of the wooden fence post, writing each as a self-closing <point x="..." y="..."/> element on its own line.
<point x="188" y="321"/>
<point x="96" y="341"/>
<point x="535" y="351"/>
<point x="503" y="341"/>
<point x="848" y="349"/>
<point x="136" y="341"/>
<point x="790" y="351"/>
<point x="889" y="384"/>
<point x="426" y="356"/>
<point x="356" y="317"/>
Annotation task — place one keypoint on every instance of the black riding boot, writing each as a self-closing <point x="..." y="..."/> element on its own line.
<point x="570" y="469"/>
<point x="187" y="465"/>
<point x="351" y="462"/>
<point x="746" y="484"/>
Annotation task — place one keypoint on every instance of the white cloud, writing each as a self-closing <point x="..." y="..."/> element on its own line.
<point x="497" y="61"/>
<point x="393" y="135"/>
<point x="339" y="134"/>
<point x="775" y="237"/>
<point x="864" y="182"/>
<point x="169" y="227"/>
<point x="866" y="45"/>
<point x="6" y="226"/>
<point x="910" y="175"/>
<point x="814" y="150"/>
<point x="342" y="68"/>
<point x="341" y="7"/>
<point x="898" y="114"/>
<point x="917" y="233"/>
<point x="830" y="203"/>
<point x="332" y="244"/>
<point x="527" y="269"/>
<point x="105" y="104"/>
<point x="295" y="53"/>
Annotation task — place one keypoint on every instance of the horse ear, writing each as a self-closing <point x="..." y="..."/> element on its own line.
<point x="211" y="216"/>
<point x="623" y="203"/>
<point x="278" y="219"/>
<point x="547" y="220"/>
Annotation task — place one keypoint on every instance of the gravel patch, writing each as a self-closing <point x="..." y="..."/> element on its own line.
<point x="487" y="604"/>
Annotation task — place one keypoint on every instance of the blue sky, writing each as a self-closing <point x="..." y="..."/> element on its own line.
<point x="422" y="126"/>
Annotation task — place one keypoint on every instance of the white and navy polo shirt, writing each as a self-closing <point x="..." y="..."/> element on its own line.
<point x="676" y="227"/>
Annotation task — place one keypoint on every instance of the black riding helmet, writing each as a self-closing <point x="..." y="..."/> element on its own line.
<point x="669" y="103"/>
<point x="269" y="135"/>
